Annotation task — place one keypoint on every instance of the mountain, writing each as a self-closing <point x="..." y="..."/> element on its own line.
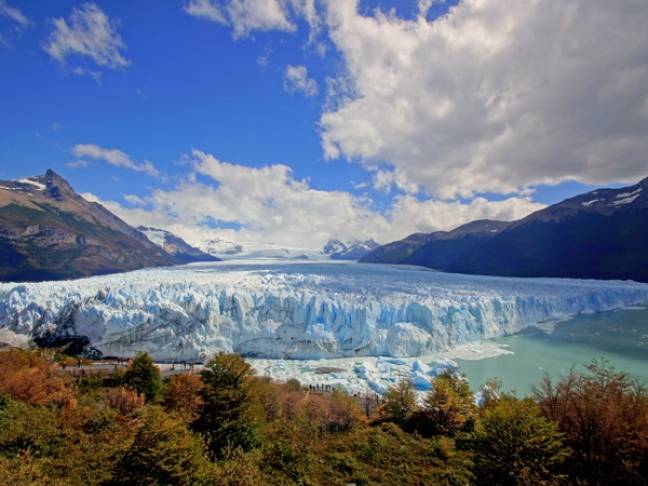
<point x="601" y="234"/>
<point x="176" y="246"/>
<point x="398" y="251"/>
<point x="354" y="250"/>
<point x="49" y="232"/>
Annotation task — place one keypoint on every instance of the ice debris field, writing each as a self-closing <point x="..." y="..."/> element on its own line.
<point x="372" y="374"/>
<point x="296" y="309"/>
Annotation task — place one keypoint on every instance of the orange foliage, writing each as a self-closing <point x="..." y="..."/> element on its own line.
<point x="604" y="416"/>
<point x="336" y="411"/>
<point x="34" y="379"/>
<point x="182" y="394"/>
<point x="123" y="400"/>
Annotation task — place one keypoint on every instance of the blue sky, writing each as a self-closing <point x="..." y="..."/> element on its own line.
<point x="187" y="86"/>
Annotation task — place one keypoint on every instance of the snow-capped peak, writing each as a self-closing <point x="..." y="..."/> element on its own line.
<point x="353" y="250"/>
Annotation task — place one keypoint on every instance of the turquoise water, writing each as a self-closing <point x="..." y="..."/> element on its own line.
<point x="621" y="337"/>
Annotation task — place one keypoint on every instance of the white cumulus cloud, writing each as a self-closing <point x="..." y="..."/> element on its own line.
<point x="247" y="16"/>
<point x="115" y="157"/>
<point x="296" y="79"/>
<point x="88" y="33"/>
<point x="495" y="96"/>
<point x="267" y="205"/>
<point x="244" y="16"/>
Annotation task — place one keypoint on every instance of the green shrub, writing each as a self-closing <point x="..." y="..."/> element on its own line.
<point x="144" y="377"/>
<point x="164" y="452"/>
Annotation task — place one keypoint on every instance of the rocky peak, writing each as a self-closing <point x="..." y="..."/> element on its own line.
<point x="57" y="186"/>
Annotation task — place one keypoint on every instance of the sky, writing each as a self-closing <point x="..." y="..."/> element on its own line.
<point x="290" y="122"/>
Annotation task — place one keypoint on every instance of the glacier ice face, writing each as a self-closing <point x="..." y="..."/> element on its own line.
<point x="297" y="309"/>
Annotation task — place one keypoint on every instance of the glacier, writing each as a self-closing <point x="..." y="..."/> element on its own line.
<point x="296" y="309"/>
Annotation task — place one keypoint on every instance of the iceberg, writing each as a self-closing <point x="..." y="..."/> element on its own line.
<point x="297" y="309"/>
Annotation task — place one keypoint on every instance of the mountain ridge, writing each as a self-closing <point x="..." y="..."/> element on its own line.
<point x="50" y="232"/>
<point x="171" y="243"/>
<point x="352" y="250"/>
<point x="599" y="234"/>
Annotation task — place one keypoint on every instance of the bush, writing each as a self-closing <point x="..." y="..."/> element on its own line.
<point x="238" y="468"/>
<point x="345" y="413"/>
<point x="517" y="445"/>
<point x="125" y="401"/>
<point x="604" y="416"/>
<point x="144" y="377"/>
<point x="25" y="470"/>
<point x="163" y="452"/>
<point x="400" y="402"/>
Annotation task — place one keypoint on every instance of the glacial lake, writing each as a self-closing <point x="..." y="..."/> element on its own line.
<point x="620" y="337"/>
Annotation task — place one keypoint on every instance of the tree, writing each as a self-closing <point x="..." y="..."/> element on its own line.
<point x="144" y="377"/>
<point x="225" y="418"/>
<point x="164" y="452"/>
<point x="345" y="412"/>
<point x="400" y="402"/>
<point x="125" y="401"/>
<point x="604" y="416"/>
<point x="182" y="395"/>
<point x="34" y="379"/>
<point x="516" y="445"/>
<point x="449" y="406"/>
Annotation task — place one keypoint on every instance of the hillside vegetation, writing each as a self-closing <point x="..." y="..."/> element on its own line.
<point x="227" y="427"/>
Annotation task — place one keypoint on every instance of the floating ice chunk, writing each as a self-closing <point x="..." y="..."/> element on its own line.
<point x="421" y="381"/>
<point x="396" y="361"/>
<point x="419" y="367"/>
<point x="377" y="387"/>
<point x="443" y="365"/>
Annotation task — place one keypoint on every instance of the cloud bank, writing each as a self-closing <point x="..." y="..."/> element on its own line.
<point x="261" y="205"/>
<point x="496" y="96"/>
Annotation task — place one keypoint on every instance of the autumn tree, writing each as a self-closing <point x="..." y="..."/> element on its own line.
<point x="225" y="418"/>
<point x="449" y="406"/>
<point x="400" y="402"/>
<point x="604" y="416"/>
<point x="164" y="452"/>
<point x="34" y="379"/>
<point x="345" y="412"/>
<point x="144" y="377"/>
<point x="125" y="401"/>
<point x="516" y="445"/>
<point x="182" y="395"/>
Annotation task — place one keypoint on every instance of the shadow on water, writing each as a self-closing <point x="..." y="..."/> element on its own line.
<point x="622" y="332"/>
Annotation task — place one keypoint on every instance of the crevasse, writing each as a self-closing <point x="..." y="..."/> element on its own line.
<point x="297" y="309"/>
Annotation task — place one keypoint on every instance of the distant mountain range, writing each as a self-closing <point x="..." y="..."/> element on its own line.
<point x="354" y="250"/>
<point x="220" y="247"/>
<point x="601" y="234"/>
<point x="182" y="251"/>
<point x="49" y="232"/>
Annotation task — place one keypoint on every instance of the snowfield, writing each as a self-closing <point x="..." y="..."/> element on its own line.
<point x="297" y="309"/>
